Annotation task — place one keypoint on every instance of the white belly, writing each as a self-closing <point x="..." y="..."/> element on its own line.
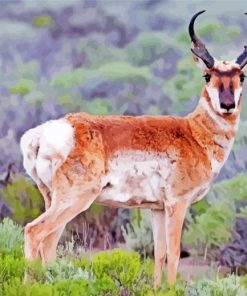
<point x="136" y="177"/>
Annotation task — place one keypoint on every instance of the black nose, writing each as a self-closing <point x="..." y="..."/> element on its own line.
<point x="227" y="106"/>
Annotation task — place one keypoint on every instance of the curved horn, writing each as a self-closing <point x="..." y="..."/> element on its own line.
<point x="199" y="48"/>
<point x="242" y="59"/>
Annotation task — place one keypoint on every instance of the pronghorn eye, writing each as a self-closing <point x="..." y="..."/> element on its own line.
<point x="242" y="76"/>
<point x="207" y="77"/>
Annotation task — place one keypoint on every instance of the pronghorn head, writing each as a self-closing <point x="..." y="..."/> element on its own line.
<point x="224" y="79"/>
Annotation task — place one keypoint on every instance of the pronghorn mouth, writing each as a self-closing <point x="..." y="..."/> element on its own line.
<point x="228" y="113"/>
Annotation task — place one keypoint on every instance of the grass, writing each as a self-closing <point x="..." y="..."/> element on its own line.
<point x="112" y="273"/>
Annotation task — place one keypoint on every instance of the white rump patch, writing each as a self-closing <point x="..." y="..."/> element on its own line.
<point x="29" y="147"/>
<point x="45" y="148"/>
<point x="57" y="137"/>
<point x="137" y="175"/>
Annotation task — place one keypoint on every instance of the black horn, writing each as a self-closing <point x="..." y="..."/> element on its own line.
<point x="199" y="48"/>
<point x="242" y="59"/>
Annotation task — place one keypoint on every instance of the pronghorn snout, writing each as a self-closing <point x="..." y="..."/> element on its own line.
<point x="227" y="106"/>
<point x="226" y="97"/>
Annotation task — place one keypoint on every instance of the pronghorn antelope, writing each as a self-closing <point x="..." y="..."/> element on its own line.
<point x="163" y="163"/>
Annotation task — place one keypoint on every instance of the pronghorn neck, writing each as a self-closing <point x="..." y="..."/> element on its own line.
<point x="213" y="132"/>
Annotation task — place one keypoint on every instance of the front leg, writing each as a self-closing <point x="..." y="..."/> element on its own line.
<point x="174" y="224"/>
<point x="158" y="225"/>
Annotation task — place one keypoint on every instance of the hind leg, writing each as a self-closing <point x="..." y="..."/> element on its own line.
<point x="67" y="202"/>
<point x="46" y="193"/>
<point x="75" y="185"/>
<point x="48" y="247"/>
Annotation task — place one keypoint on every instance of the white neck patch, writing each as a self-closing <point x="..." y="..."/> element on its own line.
<point x="223" y="124"/>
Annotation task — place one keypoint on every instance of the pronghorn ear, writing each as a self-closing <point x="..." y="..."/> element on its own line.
<point x="200" y="64"/>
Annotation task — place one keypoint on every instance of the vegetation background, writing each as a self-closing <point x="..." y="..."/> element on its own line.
<point x="116" y="57"/>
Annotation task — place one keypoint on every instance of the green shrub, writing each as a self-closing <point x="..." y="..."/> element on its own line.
<point x="229" y="286"/>
<point x="70" y="250"/>
<point x="70" y="78"/>
<point x="83" y="263"/>
<point x="209" y="27"/>
<point x="233" y="32"/>
<point x="200" y="207"/>
<point x="211" y="221"/>
<point x="97" y="53"/>
<point x="124" y="72"/>
<point x="11" y="268"/>
<point x="124" y="268"/>
<point x="185" y="85"/>
<point x="72" y="288"/>
<point x="22" y="87"/>
<point x="146" y="48"/>
<point x="244" y="281"/>
<point x="210" y="30"/>
<point x="60" y="288"/>
<point x="97" y="106"/>
<point x="113" y="71"/>
<point x="24" y="200"/>
<point x="44" y="20"/>
<point x="210" y="229"/>
<point x="35" y="271"/>
<point x="243" y="213"/>
<point x="231" y="191"/>
<point x="63" y="270"/>
<point x="11" y="238"/>
<point x="138" y="235"/>
<point x="18" y="288"/>
<point x="104" y="285"/>
<point x="241" y="137"/>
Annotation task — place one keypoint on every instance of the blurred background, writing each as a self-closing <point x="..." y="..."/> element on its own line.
<point x="119" y="57"/>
